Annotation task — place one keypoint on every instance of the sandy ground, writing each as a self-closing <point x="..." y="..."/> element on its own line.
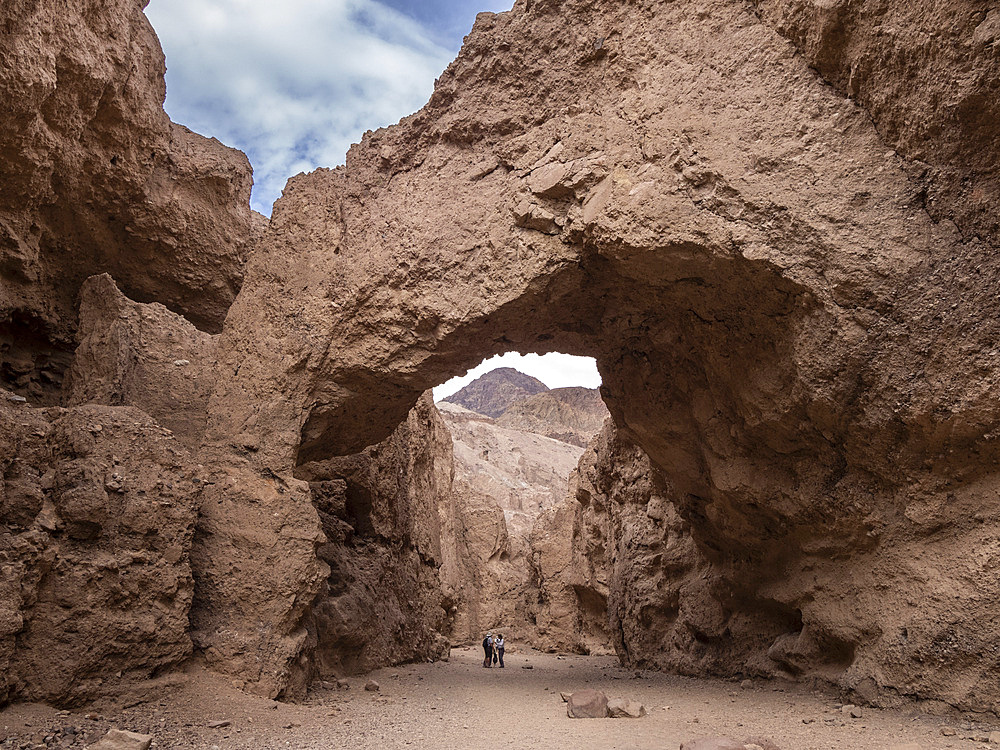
<point x="458" y="704"/>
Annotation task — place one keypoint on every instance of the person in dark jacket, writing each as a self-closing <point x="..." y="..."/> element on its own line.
<point x="488" y="650"/>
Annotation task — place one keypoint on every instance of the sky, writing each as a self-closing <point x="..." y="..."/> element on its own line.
<point x="555" y="370"/>
<point x="293" y="83"/>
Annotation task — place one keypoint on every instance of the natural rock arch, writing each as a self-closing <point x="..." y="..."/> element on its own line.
<point x="751" y="267"/>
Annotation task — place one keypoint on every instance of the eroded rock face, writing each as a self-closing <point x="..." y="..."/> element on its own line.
<point x="670" y="188"/>
<point x="383" y="512"/>
<point x="98" y="511"/>
<point x="143" y="356"/>
<point x="570" y="415"/>
<point x="95" y="178"/>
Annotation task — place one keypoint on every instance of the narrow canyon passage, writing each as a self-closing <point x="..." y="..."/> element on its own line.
<point x="458" y="704"/>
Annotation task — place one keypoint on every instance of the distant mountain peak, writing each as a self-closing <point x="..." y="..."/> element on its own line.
<point x="491" y="394"/>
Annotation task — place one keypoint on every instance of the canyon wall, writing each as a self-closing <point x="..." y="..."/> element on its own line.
<point x="802" y="347"/>
<point x="773" y="224"/>
<point x="95" y="178"/>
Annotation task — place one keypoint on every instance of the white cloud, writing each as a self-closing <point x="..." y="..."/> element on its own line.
<point x="555" y="370"/>
<point x="292" y="83"/>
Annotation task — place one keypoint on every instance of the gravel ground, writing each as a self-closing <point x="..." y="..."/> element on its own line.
<point x="458" y="704"/>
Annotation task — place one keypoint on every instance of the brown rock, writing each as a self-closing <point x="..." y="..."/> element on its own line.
<point x="62" y="636"/>
<point x="129" y="354"/>
<point x="96" y="179"/>
<point x="372" y="687"/>
<point x="493" y="393"/>
<point x="625" y="708"/>
<point x="587" y="704"/>
<point x="117" y="739"/>
<point x="712" y="743"/>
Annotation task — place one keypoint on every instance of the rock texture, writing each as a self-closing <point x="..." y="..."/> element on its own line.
<point x="571" y="415"/>
<point x="98" y="511"/>
<point x="492" y="393"/>
<point x="385" y="515"/>
<point x="505" y="479"/>
<point x="95" y="178"/>
<point x="772" y="223"/>
<point x="143" y="356"/>
<point x="800" y="346"/>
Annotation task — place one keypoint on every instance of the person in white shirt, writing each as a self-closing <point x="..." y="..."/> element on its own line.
<point x="498" y="645"/>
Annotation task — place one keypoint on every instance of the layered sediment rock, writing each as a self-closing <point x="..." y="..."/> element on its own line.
<point x="95" y="178"/>
<point x="570" y="415"/>
<point x="670" y="188"/>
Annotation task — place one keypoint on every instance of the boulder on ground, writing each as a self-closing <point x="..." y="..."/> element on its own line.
<point x="117" y="739"/>
<point x="372" y="687"/>
<point x="587" y="704"/>
<point x="625" y="708"/>
<point x="712" y="743"/>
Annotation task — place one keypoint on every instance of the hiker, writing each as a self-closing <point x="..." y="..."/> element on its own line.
<point x="488" y="650"/>
<point x="498" y="644"/>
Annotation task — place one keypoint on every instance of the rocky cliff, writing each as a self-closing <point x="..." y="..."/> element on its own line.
<point x="772" y="223"/>
<point x="798" y="342"/>
<point x="503" y="479"/>
<point x="95" y="178"/>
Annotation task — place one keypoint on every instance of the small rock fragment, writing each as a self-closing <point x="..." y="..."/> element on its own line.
<point x="713" y="743"/>
<point x="181" y="362"/>
<point x="587" y="704"/>
<point x="948" y="731"/>
<point x="372" y="687"/>
<point x="218" y="724"/>
<point x="117" y="739"/>
<point x="746" y="684"/>
<point x="625" y="708"/>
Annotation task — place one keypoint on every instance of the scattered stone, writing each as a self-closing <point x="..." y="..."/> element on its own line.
<point x="994" y="738"/>
<point x="13" y="397"/>
<point x="343" y="685"/>
<point x="587" y="704"/>
<point x="746" y="684"/>
<point x="372" y="687"/>
<point x="117" y="739"/>
<point x="948" y="731"/>
<point x="565" y="697"/>
<point x="219" y="724"/>
<point x="181" y="362"/>
<point x="713" y="743"/>
<point x="625" y="708"/>
<point x="851" y="710"/>
<point x="527" y="666"/>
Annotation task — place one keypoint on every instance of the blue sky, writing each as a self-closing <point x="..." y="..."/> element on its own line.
<point x="294" y="83"/>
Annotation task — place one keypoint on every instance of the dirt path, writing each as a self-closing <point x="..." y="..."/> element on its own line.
<point x="458" y="704"/>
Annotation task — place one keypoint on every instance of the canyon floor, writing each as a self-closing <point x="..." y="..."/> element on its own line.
<point x="458" y="704"/>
